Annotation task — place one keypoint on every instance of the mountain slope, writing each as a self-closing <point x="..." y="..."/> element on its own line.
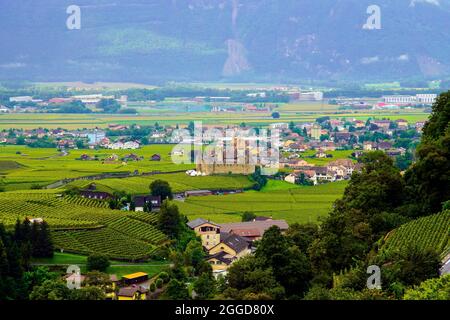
<point x="267" y="40"/>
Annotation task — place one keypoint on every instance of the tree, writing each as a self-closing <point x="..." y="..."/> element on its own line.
<point x="98" y="279"/>
<point x="169" y="220"/>
<point x="205" y="287"/>
<point x="159" y="283"/>
<point x="247" y="278"/>
<point x="410" y="266"/>
<point x="248" y="216"/>
<point x="109" y="105"/>
<point x="51" y="290"/>
<point x="42" y="242"/>
<point x="164" y="276"/>
<point x="194" y="254"/>
<point x="365" y="213"/>
<point x="37" y="276"/>
<point x="88" y="293"/>
<point x="97" y="262"/>
<point x="176" y="290"/>
<point x="73" y="107"/>
<point x="20" y="141"/>
<point x="427" y="181"/>
<point x="290" y="266"/>
<point x="302" y="235"/>
<point x="431" y="289"/>
<point x="161" y="188"/>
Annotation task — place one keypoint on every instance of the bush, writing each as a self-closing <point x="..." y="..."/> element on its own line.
<point x="152" y="287"/>
<point x="97" y="262"/>
<point x="164" y="276"/>
<point x="159" y="283"/>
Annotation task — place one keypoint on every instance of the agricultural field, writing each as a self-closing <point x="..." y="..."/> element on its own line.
<point x="83" y="226"/>
<point x="179" y="182"/>
<point x="429" y="232"/>
<point x="278" y="199"/>
<point x="297" y="112"/>
<point x="21" y="167"/>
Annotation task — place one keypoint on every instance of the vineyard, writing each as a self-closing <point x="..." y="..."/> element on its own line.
<point x="83" y="225"/>
<point x="428" y="232"/>
<point x="86" y="202"/>
<point x="103" y="241"/>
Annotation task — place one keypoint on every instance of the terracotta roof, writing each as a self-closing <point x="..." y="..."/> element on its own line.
<point x="246" y="232"/>
<point x="261" y="226"/>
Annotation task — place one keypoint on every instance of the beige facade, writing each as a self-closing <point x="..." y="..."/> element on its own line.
<point x="209" y="234"/>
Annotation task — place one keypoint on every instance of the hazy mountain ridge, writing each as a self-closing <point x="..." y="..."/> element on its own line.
<point x="145" y="41"/>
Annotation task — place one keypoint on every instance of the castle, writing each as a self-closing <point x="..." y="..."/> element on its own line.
<point x="237" y="156"/>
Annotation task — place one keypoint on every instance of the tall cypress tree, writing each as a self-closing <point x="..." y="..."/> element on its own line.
<point x="44" y="241"/>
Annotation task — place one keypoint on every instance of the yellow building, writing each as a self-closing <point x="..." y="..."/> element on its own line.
<point x="316" y="131"/>
<point x="223" y="248"/>
<point x="209" y="232"/>
<point x="133" y="291"/>
<point x="220" y="262"/>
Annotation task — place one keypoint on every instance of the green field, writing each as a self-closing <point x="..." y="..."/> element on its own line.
<point x="22" y="167"/>
<point x="119" y="268"/>
<point x="308" y="156"/>
<point x="297" y="112"/>
<point x="279" y="200"/>
<point x="178" y="181"/>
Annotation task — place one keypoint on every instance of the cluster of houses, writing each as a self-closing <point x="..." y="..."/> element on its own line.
<point x="338" y="170"/>
<point x="332" y="134"/>
<point x="134" y="286"/>
<point x="114" y="158"/>
<point x="92" y="138"/>
<point x="228" y="242"/>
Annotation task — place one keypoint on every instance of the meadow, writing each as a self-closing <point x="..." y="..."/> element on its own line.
<point x="279" y="200"/>
<point x="309" y="156"/>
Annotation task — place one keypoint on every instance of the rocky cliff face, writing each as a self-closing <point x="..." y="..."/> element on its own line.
<point x="266" y="40"/>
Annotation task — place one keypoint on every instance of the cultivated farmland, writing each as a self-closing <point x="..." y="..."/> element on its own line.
<point x="279" y="200"/>
<point x="84" y="225"/>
